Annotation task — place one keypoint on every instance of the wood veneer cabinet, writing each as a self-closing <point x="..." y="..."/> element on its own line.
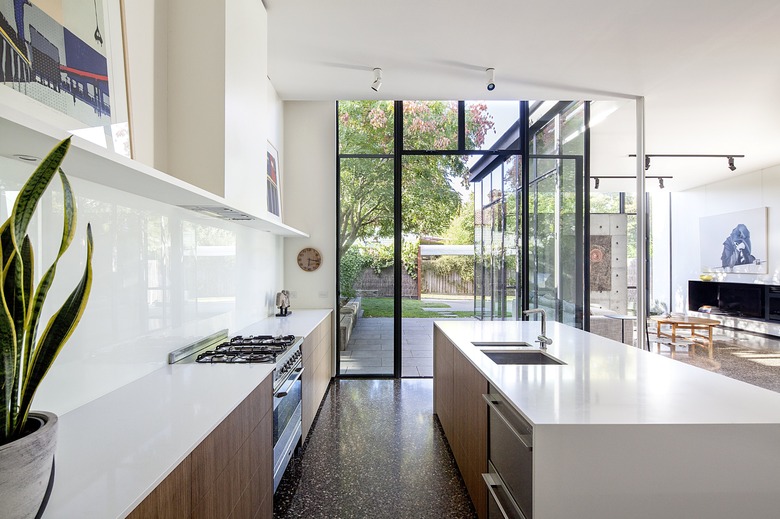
<point x="317" y="354"/>
<point x="229" y="475"/>
<point x="457" y="400"/>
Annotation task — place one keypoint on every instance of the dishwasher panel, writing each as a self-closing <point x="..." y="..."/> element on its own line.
<point x="511" y="451"/>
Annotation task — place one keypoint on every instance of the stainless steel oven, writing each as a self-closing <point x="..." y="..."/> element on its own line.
<point x="285" y="352"/>
<point x="287" y="418"/>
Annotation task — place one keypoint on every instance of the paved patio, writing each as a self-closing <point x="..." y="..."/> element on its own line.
<point x="370" y="347"/>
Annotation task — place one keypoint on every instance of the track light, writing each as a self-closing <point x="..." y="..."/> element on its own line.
<point x="377" y="84"/>
<point x="730" y="158"/>
<point x="490" y="74"/>
<point x="597" y="180"/>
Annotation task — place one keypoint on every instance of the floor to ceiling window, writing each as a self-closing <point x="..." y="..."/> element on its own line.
<point x="406" y="228"/>
<point x="476" y="210"/>
<point x="530" y="238"/>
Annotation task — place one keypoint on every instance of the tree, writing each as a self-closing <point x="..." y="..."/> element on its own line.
<point x="428" y="198"/>
<point x="461" y="228"/>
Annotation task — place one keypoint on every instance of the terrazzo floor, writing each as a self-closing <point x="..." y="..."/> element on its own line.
<point x="744" y="356"/>
<point x="375" y="451"/>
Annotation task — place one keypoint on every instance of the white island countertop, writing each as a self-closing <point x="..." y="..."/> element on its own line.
<point x="113" y="451"/>
<point x="606" y="382"/>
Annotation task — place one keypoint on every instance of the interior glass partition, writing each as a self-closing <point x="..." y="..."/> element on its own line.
<point x="497" y="217"/>
<point x="556" y="239"/>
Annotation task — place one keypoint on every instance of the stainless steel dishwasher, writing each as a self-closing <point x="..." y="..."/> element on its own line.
<point x="510" y="461"/>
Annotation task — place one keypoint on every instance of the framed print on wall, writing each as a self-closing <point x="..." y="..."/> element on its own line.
<point x="734" y="242"/>
<point x="274" y="176"/>
<point x="63" y="62"/>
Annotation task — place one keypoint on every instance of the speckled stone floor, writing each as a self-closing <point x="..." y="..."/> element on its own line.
<point x="740" y="355"/>
<point x="375" y="451"/>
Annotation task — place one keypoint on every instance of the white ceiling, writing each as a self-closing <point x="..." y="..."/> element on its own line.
<point x="708" y="70"/>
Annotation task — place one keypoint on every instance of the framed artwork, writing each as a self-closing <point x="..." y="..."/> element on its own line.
<point x="274" y="177"/>
<point x="734" y="242"/>
<point x="63" y="61"/>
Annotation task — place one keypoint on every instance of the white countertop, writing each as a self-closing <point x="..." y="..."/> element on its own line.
<point x="113" y="451"/>
<point x="606" y="382"/>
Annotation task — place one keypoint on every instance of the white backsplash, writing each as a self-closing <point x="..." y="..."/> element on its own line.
<point x="163" y="277"/>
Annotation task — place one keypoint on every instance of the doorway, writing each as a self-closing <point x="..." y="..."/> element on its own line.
<point x="434" y="200"/>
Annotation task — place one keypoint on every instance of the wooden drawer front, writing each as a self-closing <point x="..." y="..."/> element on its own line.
<point x="443" y="382"/>
<point x="171" y="498"/>
<point x="229" y="475"/>
<point x="307" y="398"/>
<point x="212" y="456"/>
<point x="307" y="347"/>
<point x="317" y="373"/>
<point x="469" y="429"/>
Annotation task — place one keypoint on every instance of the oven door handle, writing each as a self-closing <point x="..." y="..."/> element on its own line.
<point x="290" y="381"/>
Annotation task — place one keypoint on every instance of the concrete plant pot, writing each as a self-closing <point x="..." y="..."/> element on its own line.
<point x="27" y="469"/>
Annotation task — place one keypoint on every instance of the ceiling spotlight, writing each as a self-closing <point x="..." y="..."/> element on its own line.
<point x="732" y="167"/>
<point x="661" y="182"/>
<point x="596" y="186"/>
<point x="377" y="84"/>
<point x="490" y="73"/>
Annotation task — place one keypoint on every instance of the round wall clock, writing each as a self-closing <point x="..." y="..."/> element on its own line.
<point x="309" y="259"/>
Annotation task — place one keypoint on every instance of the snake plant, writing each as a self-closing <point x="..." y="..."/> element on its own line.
<point x="25" y="355"/>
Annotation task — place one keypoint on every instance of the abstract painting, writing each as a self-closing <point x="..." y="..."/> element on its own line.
<point x="61" y="54"/>
<point x="273" y="173"/>
<point x="734" y="242"/>
<point x="600" y="263"/>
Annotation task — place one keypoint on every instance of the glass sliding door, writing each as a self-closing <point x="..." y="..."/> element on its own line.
<point x="366" y="243"/>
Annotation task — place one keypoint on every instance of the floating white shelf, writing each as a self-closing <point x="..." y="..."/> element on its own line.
<point x="26" y="135"/>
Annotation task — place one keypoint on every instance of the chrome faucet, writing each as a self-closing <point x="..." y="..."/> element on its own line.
<point x="543" y="340"/>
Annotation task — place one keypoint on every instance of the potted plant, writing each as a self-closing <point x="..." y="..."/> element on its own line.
<point x="28" y="439"/>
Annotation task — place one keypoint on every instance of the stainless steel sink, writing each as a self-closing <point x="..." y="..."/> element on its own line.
<point x="502" y="344"/>
<point x="522" y="357"/>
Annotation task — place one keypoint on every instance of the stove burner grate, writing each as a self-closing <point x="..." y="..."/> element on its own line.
<point x="222" y="357"/>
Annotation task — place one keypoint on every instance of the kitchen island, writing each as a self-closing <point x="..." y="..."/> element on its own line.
<point x="616" y="432"/>
<point x="138" y="441"/>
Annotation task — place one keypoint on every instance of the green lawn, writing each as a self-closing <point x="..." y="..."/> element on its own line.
<point x="383" y="307"/>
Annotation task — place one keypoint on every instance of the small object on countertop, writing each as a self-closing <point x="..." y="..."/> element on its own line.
<point x="283" y="302"/>
<point x="706" y="277"/>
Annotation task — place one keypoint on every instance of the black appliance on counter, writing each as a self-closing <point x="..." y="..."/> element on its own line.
<point x="285" y="352"/>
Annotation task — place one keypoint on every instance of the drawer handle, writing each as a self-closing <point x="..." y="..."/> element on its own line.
<point x="525" y="439"/>
<point x="492" y="485"/>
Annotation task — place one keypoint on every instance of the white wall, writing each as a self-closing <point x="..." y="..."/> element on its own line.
<point x="309" y="199"/>
<point x="146" y="48"/>
<point x="749" y="191"/>
<point x="163" y="277"/>
<point x="245" y="105"/>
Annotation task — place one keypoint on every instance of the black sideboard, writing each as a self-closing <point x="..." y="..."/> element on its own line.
<point x="744" y="300"/>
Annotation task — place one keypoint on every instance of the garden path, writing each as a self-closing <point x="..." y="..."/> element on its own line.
<point x="370" y="347"/>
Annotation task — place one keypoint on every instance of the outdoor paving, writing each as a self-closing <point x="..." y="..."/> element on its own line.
<point x="370" y="348"/>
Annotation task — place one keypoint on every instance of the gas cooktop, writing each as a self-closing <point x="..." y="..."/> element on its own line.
<point x="254" y="348"/>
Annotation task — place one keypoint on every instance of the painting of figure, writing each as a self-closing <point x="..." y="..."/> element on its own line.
<point x="734" y="242"/>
